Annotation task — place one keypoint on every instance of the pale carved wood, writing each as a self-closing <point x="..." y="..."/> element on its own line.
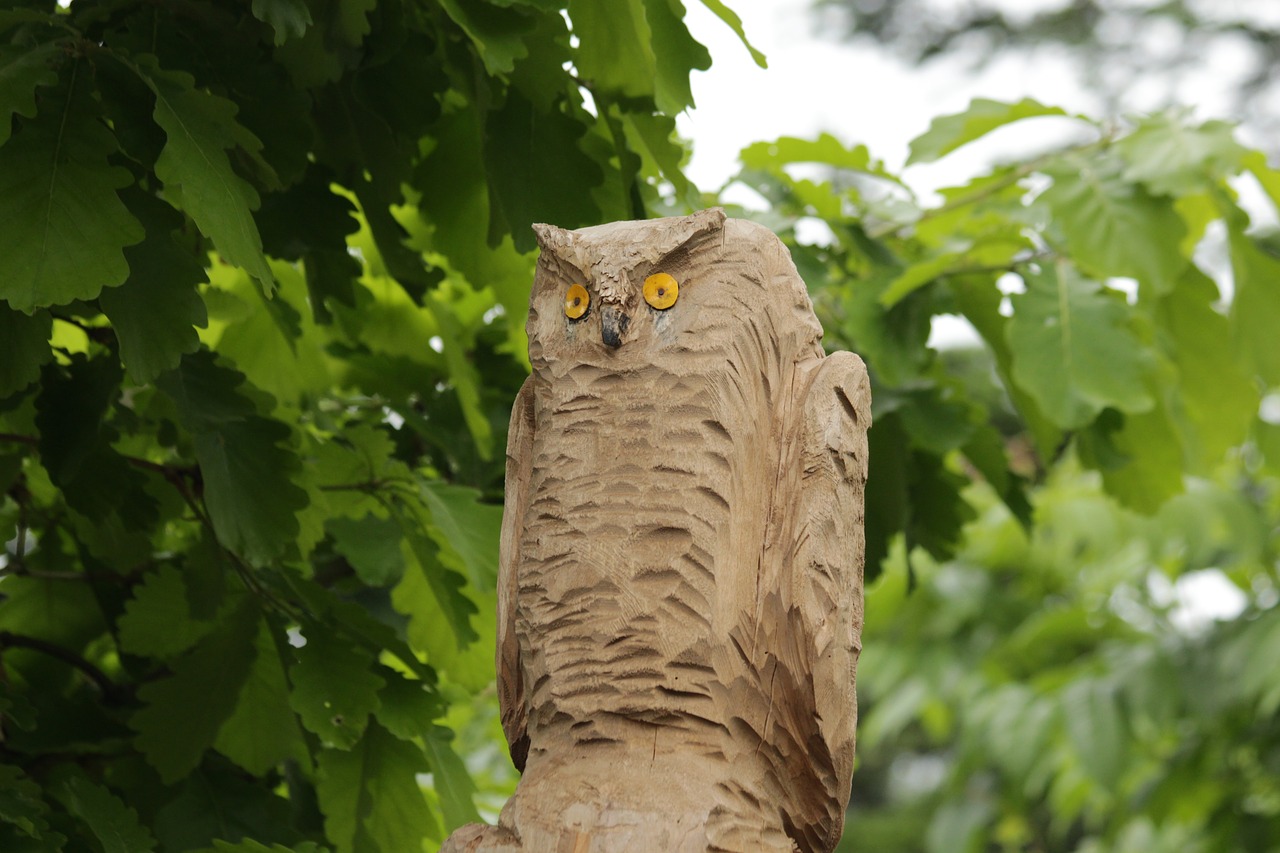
<point x="680" y="591"/>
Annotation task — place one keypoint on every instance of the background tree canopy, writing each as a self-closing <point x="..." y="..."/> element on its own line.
<point x="264" y="268"/>
<point x="1132" y="54"/>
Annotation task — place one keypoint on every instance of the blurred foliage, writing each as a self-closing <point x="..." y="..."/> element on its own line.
<point x="1132" y="54"/>
<point x="1042" y="669"/>
<point x="265" y="270"/>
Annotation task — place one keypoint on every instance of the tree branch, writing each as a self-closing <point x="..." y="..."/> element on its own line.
<point x="167" y="471"/>
<point x="109" y="689"/>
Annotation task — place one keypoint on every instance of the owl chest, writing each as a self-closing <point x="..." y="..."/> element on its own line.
<point x="631" y="515"/>
<point x="624" y="506"/>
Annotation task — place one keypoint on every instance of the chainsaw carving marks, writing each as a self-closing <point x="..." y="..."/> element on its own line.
<point x="680" y="598"/>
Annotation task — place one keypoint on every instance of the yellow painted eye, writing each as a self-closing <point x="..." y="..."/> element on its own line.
<point x="661" y="291"/>
<point x="576" y="300"/>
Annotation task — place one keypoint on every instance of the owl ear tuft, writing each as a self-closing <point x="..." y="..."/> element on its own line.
<point x="711" y="219"/>
<point x="552" y="238"/>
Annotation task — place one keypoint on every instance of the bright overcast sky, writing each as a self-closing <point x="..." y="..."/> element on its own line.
<point x="813" y="84"/>
<point x="864" y="95"/>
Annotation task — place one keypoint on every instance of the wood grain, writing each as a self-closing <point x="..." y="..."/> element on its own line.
<point x="680" y="593"/>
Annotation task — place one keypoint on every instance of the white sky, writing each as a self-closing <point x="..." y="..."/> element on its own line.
<point x="865" y="95"/>
<point x="858" y="93"/>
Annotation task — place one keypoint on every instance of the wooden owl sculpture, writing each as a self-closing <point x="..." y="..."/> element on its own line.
<point x="680" y="593"/>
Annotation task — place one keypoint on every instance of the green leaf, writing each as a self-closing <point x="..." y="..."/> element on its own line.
<point x="1268" y="178"/>
<point x="1141" y="459"/>
<point x="559" y="190"/>
<point x="248" y="845"/>
<point x="23" y="809"/>
<point x="1171" y="158"/>
<point x="989" y="207"/>
<point x="826" y="149"/>
<point x="1267" y="440"/>
<point x="194" y="165"/>
<point x="407" y="711"/>
<point x="446" y="586"/>
<point x="1255" y="310"/>
<point x="218" y="801"/>
<point x="205" y="392"/>
<point x="615" y="47"/>
<point x="334" y="689"/>
<point x="24" y="347"/>
<point x="1112" y="227"/>
<point x="1247" y="654"/>
<point x="1097" y="726"/>
<point x="370" y="795"/>
<point x="937" y="512"/>
<point x="988" y="255"/>
<point x="74" y="410"/>
<point x="22" y="71"/>
<point x="113" y="823"/>
<point x="372" y="546"/>
<point x="311" y="222"/>
<point x="957" y="827"/>
<point x="157" y="621"/>
<point x="452" y="782"/>
<point x="498" y="33"/>
<point x="1073" y="349"/>
<point x="467" y="659"/>
<point x="893" y="340"/>
<point x="949" y="132"/>
<point x="289" y="18"/>
<point x="65" y="227"/>
<point x="980" y="301"/>
<point x="328" y="48"/>
<point x="183" y="713"/>
<point x="16" y="709"/>
<point x="455" y="198"/>
<point x="364" y="454"/>
<point x="251" y="499"/>
<point x="62" y="613"/>
<point x="462" y="372"/>
<point x="734" y="23"/>
<point x="356" y="622"/>
<point x="1218" y="397"/>
<point x="656" y="135"/>
<point x="263" y="732"/>
<point x="466" y="530"/>
<point x="275" y="347"/>
<point x="681" y="54"/>
<point x="407" y="707"/>
<point x="154" y="313"/>
<point x="918" y="275"/>
<point x="937" y="417"/>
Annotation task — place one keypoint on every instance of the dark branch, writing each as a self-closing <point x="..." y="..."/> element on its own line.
<point x="109" y="689"/>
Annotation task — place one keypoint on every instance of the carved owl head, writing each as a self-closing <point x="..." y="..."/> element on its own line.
<point x="643" y="292"/>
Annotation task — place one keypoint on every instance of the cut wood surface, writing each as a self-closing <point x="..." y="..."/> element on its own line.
<point x="680" y="590"/>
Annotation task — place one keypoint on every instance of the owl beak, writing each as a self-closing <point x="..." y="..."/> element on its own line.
<point x="613" y="324"/>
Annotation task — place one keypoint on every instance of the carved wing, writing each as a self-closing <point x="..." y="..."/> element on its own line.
<point x="826" y="562"/>
<point x="511" y="696"/>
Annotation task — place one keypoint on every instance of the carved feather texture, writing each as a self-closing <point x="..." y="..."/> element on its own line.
<point x="680" y="596"/>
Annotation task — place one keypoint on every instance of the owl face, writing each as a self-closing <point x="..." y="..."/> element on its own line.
<point x="605" y="290"/>
<point x="696" y="294"/>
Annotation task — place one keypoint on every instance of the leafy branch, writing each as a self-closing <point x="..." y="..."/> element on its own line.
<point x="110" y="691"/>
<point x="990" y="189"/>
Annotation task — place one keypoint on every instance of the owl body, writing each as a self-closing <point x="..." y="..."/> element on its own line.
<point x="658" y="642"/>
